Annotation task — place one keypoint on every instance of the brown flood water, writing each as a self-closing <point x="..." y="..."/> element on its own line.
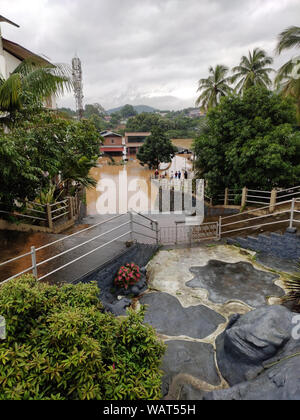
<point x="138" y="178"/>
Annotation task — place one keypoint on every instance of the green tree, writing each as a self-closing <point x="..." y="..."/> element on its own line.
<point x="253" y="71"/>
<point x="146" y="122"/>
<point x="94" y="110"/>
<point x="288" y="77"/>
<point x="249" y="141"/>
<point x="32" y="77"/>
<point x="128" y="111"/>
<point x="214" y="87"/>
<point x="61" y="345"/>
<point x="33" y="153"/>
<point x="156" y="149"/>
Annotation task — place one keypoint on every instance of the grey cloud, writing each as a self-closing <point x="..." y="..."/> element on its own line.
<point x="144" y="50"/>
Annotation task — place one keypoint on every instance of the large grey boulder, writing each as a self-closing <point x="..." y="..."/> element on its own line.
<point x="280" y="382"/>
<point x="254" y="340"/>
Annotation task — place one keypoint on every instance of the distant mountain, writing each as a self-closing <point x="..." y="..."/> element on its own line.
<point x="139" y="109"/>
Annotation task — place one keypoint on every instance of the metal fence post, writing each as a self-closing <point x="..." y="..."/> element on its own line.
<point x="292" y="213"/>
<point x="131" y="226"/>
<point x="157" y="233"/>
<point x="33" y="260"/>
<point x="176" y="233"/>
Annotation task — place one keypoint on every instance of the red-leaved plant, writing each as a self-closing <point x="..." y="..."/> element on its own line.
<point x="128" y="275"/>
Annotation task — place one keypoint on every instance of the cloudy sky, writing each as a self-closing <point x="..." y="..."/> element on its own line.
<point x="149" y="52"/>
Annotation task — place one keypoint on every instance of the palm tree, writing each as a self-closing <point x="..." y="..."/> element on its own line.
<point x="214" y="87"/>
<point x="289" y="38"/>
<point x="253" y="70"/>
<point x="288" y="77"/>
<point x="32" y="77"/>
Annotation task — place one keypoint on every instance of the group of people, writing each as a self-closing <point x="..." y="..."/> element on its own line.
<point x="177" y="175"/>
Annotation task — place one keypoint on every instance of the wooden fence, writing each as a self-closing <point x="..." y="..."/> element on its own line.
<point x="53" y="218"/>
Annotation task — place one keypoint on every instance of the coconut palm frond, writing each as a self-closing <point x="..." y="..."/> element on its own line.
<point x="38" y="77"/>
<point x="253" y="70"/>
<point x="214" y="87"/>
<point x="10" y="93"/>
<point x="289" y="38"/>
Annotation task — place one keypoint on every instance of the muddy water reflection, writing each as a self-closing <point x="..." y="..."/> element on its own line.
<point x="113" y="180"/>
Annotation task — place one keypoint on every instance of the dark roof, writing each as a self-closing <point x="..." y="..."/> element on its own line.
<point x="20" y="52"/>
<point x="4" y="19"/>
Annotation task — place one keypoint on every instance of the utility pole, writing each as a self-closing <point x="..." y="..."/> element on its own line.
<point x="78" y="85"/>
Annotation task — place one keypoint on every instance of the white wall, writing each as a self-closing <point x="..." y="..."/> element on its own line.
<point x="11" y="63"/>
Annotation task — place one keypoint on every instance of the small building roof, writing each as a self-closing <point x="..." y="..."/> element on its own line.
<point x="138" y="134"/>
<point x="20" y="52"/>
<point x="109" y="134"/>
<point x="4" y="19"/>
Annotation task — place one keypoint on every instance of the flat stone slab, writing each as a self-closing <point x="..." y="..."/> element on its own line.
<point x="235" y="281"/>
<point x="169" y="317"/>
<point x="188" y="358"/>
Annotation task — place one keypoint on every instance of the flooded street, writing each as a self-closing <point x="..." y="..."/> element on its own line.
<point x="115" y="179"/>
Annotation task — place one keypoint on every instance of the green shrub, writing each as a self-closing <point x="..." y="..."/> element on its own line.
<point x="61" y="345"/>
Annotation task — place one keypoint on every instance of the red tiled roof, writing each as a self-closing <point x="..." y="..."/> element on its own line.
<point x="112" y="149"/>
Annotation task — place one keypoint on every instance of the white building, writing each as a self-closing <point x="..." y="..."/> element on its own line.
<point x="12" y="54"/>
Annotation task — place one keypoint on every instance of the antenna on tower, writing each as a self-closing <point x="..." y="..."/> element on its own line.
<point x="78" y="85"/>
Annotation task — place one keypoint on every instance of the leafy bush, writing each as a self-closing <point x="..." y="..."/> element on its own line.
<point x="61" y="345"/>
<point x="127" y="276"/>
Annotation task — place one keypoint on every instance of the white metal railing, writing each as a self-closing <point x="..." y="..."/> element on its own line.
<point x="250" y="223"/>
<point x="183" y="233"/>
<point x="34" y="268"/>
<point x="180" y="233"/>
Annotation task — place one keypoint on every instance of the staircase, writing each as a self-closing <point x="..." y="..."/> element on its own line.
<point x="285" y="246"/>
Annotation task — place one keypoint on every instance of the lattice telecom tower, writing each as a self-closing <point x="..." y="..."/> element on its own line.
<point x="78" y="85"/>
